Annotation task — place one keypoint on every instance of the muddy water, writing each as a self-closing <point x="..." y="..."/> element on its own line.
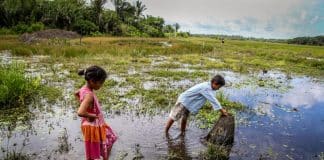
<point x="284" y="119"/>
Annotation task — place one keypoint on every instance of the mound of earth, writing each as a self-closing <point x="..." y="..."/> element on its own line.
<point x="48" y="34"/>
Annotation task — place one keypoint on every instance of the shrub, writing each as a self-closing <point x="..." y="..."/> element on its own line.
<point x="85" y="27"/>
<point x="36" y="27"/>
<point x="20" y="28"/>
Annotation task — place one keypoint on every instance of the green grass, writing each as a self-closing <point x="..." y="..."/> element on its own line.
<point x="241" y="56"/>
<point x="16" y="88"/>
<point x="207" y="117"/>
<point x="185" y="58"/>
<point x="178" y="75"/>
<point x="18" y="91"/>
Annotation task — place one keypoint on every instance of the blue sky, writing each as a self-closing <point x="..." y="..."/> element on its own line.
<point x="249" y="18"/>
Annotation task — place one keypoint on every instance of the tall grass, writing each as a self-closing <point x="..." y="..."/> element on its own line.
<point x="16" y="89"/>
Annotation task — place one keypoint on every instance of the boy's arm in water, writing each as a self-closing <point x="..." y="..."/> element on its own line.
<point x="214" y="102"/>
<point x="82" y="111"/>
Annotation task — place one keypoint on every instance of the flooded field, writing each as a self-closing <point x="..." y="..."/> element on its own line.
<point x="283" y="116"/>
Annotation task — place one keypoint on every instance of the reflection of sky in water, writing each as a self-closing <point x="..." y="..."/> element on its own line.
<point x="304" y="94"/>
<point x="290" y="123"/>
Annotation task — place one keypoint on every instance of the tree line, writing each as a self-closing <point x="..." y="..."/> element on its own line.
<point x="83" y="16"/>
<point x="318" y="40"/>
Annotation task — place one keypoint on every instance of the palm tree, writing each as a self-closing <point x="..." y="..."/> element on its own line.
<point x="123" y="9"/>
<point x="139" y="9"/>
<point x="98" y="8"/>
<point x="177" y="27"/>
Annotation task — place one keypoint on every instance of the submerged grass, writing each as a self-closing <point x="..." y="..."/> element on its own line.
<point x="207" y="117"/>
<point x="214" y="152"/>
<point x="13" y="155"/>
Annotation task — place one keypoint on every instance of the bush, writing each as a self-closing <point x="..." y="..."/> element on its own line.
<point x="36" y="27"/>
<point x="153" y="32"/>
<point x="16" y="88"/>
<point x="183" y="34"/>
<point x="96" y="34"/>
<point x="20" y="28"/>
<point x="85" y="27"/>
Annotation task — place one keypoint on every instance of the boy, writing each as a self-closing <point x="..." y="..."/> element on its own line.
<point x="193" y="99"/>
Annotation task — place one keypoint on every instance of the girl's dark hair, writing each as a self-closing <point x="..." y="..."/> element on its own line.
<point x="218" y="79"/>
<point x="94" y="73"/>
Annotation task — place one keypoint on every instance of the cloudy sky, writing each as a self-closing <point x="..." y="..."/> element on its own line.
<point x="250" y="18"/>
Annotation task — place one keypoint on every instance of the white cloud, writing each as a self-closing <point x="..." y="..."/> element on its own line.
<point x="314" y="19"/>
<point x="258" y="18"/>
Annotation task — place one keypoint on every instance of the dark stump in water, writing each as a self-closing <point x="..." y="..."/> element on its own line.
<point x="221" y="136"/>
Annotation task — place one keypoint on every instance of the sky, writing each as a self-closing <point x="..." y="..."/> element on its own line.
<point x="278" y="19"/>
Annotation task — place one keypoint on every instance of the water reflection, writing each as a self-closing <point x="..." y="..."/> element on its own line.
<point x="304" y="95"/>
<point x="177" y="148"/>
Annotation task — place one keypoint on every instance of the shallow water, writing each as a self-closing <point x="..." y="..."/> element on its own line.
<point x="284" y="119"/>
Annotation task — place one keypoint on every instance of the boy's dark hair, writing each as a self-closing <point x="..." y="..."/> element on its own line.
<point x="218" y="79"/>
<point x="94" y="73"/>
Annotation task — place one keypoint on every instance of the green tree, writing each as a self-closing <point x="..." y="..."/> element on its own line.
<point x="16" y="11"/>
<point x="168" y="29"/>
<point x="98" y="7"/>
<point x="124" y="10"/>
<point x="111" y="22"/>
<point x="177" y="27"/>
<point x="85" y="27"/>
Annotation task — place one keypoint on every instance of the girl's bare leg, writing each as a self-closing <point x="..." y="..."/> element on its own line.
<point x="108" y="151"/>
<point x="106" y="157"/>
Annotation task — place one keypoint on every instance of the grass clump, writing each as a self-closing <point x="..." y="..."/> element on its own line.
<point x="50" y="93"/>
<point x="22" y="51"/>
<point x="214" y="152"/>
<point x="18" y="91"/>
<point x="13" y="155"/>
<point x="16" y="88"/>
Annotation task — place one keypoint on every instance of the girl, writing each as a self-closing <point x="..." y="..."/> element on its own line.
<point x="97" y="135"/>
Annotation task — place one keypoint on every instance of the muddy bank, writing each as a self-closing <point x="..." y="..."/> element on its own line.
<point x="48" y="34"/>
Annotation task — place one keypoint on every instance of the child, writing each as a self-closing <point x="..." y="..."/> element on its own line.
<point x="193" y="99"/>
<point x="97" y="135"/>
